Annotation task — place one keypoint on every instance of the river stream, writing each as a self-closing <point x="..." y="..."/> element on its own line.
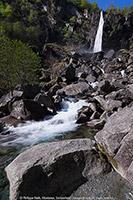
<point x="60" y="126"/>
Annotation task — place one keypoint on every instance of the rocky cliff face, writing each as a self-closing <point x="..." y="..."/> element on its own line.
<point x="63" y="23"/>
<point x="117" y="32"/>
<point x="78" y="26"/>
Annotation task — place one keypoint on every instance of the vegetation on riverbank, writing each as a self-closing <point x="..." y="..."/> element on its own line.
<point x="27" y="25"/>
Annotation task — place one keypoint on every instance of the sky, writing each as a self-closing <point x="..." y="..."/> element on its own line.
<point x="104" y="4"/>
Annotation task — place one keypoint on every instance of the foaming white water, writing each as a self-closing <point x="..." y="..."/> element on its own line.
<point x="94" y="84"/>
<point x="34" y="132"/>
<point x="98" y="39"/>
<point x="122" y="73"/>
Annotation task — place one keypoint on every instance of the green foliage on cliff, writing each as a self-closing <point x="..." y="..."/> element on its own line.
<point x="84" y="4"/>
<point x="80" y="3"/>
<point x="125" y="11"/>
<point x="36" y="22"/>
<point x="6" y="10"/>
<point x="73" y="19"/>
<point x="18" y="63"/>
<point x="94" y="6"/>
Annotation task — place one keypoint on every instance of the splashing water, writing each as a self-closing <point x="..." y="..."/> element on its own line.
<point x="98" y="39"/>
<point x="33" y="132"/>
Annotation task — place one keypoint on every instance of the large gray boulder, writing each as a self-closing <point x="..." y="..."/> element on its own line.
<point x="18" y="110"/>
<point x="74" y="89"/>
<point x="123" y="95"/>
<point x="54" y="169"/>
<point x="116" y="141"/>
<point x="6" y="99"/>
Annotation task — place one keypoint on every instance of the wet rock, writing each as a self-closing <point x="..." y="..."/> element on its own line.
<point x="74" y="89"/>
<point x="82" y="118"/>
<point x="54" y="169"/>
<point x="45" y="101"/>
<point x="116" y="141"/>
<point x="57" y="101"/>
<point x="10" y="121"/>
<point x="84" y="114"/>
<point x="37" y="111"/>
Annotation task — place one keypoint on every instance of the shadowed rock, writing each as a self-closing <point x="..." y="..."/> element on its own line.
<point x="54" y="169"/>
<point x="37" y="111"/>
<point x="116" y="141"/>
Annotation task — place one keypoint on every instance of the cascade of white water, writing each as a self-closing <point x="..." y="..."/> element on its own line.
<point x="33" y="132"/>
<point x="98" y="39"/>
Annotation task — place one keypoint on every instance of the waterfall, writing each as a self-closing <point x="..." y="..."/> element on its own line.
<point x="98" y="39"/>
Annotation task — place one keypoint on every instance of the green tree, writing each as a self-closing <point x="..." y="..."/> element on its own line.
<point x="32" y="15"/>
<point x="18" y="63"/>
<point x="6" y="28"/>
<point x="18" y="30"/>
<point x="84" y="4"/>
<point x="80" y="3"/>
<point x="5" y="69"/>
<point x="126" y="10"/>
<point x="6" y="10"/>
<point x="94" y="6"/>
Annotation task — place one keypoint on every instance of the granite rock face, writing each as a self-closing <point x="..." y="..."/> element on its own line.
<point x="1" y="127"/>
<point x="116" y="141"/>
<point x="6" y="99"/>
<point x="74" y="89"/>
<point x="54" y="169"/>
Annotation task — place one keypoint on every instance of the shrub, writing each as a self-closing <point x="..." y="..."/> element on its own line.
<point x="18" y="63"/>
<point x="94" y="6"/>
<point x="72" y="20"/>
<point x="80" y="3"/>
<point x="6" y="10"/>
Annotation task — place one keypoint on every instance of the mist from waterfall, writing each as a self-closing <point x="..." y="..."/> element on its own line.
<point x="98" y="39"/>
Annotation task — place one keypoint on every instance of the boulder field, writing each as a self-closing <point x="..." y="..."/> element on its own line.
<point x="107" y="85"/>
<point x="65" y="39"/>
<point x="58" y="168"/>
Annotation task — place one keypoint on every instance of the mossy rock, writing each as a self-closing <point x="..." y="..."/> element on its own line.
<point x="110" y="158"/>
